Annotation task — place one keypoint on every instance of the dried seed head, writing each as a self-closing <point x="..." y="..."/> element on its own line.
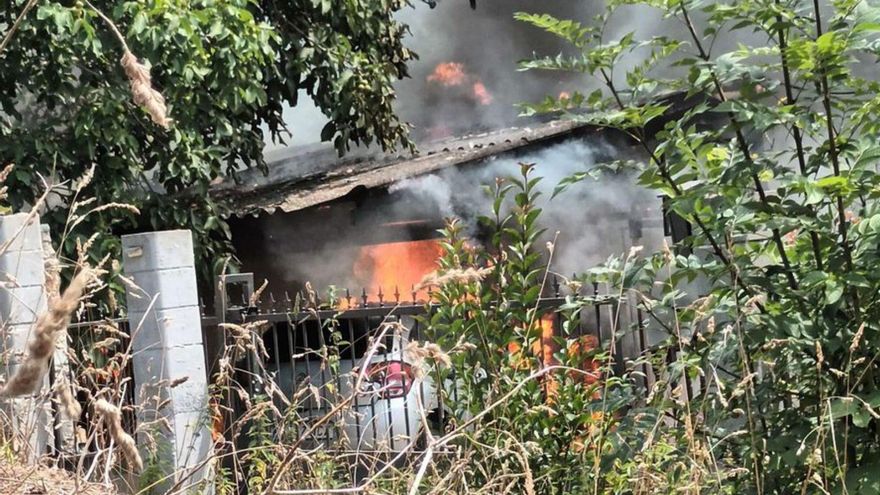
<point x="108" y="343"/>
<point x="30" y="374"/>
<point x="112" y="417"/>
<point x="142" y="90"/>
<point x="418" y="354"/>
<point x="116" y="206"/>
<point x="460" y="275"/>
<point x="4" y="174"/>
<point x="858" y="336"/>
<point x="744" y="385"/>
<point x="311" y="295"/>
<point x="667" y="253"/>
<point x="51" y="272"/>
<point x="178" y="381"/>
<point x="255" y="297"/>
<point x="81" y="184"/>
<point x="64" y="396"/>
<point x="775" y="343"/>
<point x="838" y="373"/>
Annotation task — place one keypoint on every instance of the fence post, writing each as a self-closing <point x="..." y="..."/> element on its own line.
<point x="64" y="431"/>
<point x="165" y="322"/>
<point x="22" y="300"/>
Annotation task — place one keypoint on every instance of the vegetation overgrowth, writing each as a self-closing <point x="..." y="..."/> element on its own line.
<point x="771" y="302"/>
<point x="761" y="374"/>
<point x="218" y="75"/>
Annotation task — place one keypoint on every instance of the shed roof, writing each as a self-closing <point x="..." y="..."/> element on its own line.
<point x="308" y="176"/>
<point x="300" y="178"/>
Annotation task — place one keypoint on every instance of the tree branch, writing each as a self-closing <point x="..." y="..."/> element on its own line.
<point x="744" y="148"/>
<point x="7" y="38"/>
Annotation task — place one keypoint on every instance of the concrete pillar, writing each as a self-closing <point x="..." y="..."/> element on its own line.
<point x="165" y="322"/>
<point x="22" y="300"/>
<point x="64" y="426"/>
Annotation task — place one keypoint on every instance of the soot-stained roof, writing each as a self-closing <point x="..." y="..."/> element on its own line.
<point x="301" y="178"/>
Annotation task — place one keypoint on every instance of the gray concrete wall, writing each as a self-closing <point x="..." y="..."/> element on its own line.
<point x="167" y="345"/>
<point x="22" y="300"/>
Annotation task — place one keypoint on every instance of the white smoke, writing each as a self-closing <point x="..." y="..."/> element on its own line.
<point x="594" y="218"/>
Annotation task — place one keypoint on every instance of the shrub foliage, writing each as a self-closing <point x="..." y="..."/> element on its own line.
<point x="771" y="302"/>
<point x="226" y="69"/>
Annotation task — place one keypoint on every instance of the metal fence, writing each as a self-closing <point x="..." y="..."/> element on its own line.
<point x="319" y="352"/>
<point x="322" y="351"/>
<point x="99" y="360"/>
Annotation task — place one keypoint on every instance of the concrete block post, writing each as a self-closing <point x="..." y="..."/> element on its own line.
<point x="165" y="322"/>
<point x="22" y="300"/>
<point x="64" y="429"/>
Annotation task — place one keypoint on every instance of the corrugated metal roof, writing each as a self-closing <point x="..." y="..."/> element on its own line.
<point x="301" y="180"/>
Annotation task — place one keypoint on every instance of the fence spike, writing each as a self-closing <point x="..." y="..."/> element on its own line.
<point x="288" y="304"/>
<point x="272" y="302"/>
<point x="364" y="297"/>
<point x="381" y="296"/>
<point x="201" y="306"/>
<point x="347" y="298"/>
<point x="555" y="286"/>
<point x="396" y="295"/>
<point x="413" y="289"/>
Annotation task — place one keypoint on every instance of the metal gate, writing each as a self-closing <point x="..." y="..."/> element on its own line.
<point x="323" y="351"/>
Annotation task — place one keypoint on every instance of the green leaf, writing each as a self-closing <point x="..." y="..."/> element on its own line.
<point x="833" y="291"/>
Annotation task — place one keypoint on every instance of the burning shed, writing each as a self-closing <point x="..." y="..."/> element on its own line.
<point x="368" y="223"/>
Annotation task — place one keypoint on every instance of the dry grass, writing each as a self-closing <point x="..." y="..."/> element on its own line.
<point x="112" y="417"/>
<point x="21" y="479"/>
<point x="29" y="375"/>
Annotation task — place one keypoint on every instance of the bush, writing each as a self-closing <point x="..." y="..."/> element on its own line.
<point x="775" y="167"/>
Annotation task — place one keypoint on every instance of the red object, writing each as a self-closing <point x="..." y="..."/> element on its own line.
<point x="392" y="379"/>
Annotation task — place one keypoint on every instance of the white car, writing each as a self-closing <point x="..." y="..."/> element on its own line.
<point x="385" y="413"/>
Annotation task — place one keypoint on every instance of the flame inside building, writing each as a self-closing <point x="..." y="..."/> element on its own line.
<point x="395" y="269"/>
<point x="370" y="226"/>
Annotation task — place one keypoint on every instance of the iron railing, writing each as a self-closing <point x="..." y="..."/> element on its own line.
<point x="301" y="344"/>
<point x="99" y="360"/>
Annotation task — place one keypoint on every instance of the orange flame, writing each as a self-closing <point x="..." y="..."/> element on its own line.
<point x="396" y="266"/>
<point x="453" y="74"/>
<point x="544" y="347"/>
<point x="448" y="74"/>
<point x="481" y="94"/>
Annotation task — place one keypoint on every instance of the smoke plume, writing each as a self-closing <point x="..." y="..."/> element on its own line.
<point x="484" y="46"/>
<point x="594" y="218"/>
